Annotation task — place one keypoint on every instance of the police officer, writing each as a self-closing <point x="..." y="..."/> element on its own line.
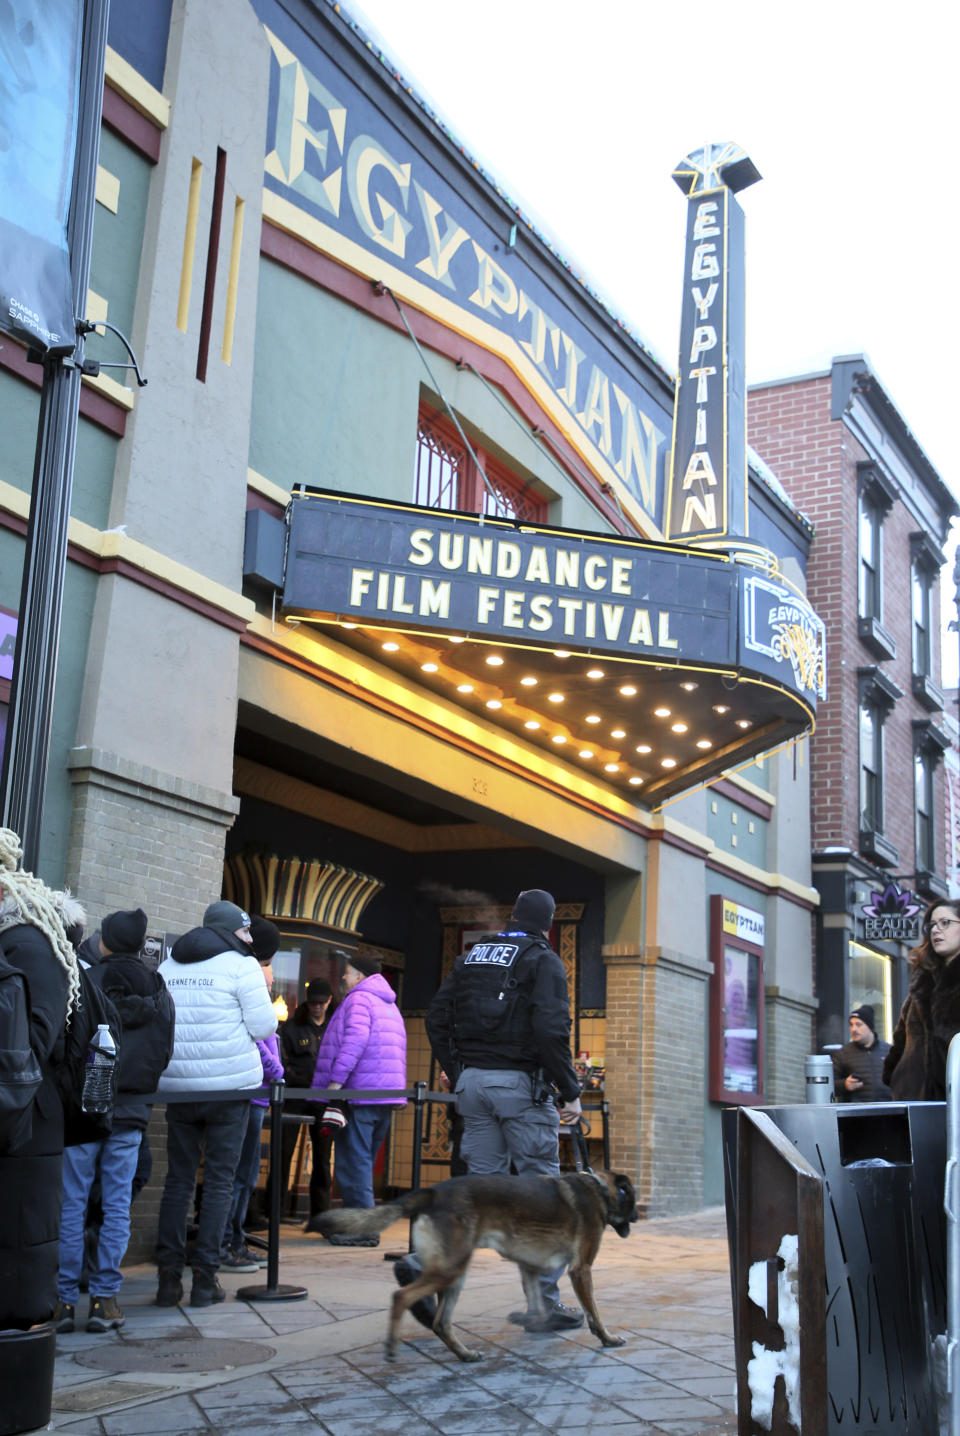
<point x="500" y="1028"/>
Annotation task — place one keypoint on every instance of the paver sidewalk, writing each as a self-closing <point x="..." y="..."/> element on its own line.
<point x="317" y="1365"/>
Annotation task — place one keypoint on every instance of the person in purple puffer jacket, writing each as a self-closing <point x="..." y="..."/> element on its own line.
<point x="235" y="1255"/>
<point x="364" y="1047"/>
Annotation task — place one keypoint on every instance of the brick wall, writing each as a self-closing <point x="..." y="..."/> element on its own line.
<point x="657" y="1082"/>
<point x="816" y="458"/>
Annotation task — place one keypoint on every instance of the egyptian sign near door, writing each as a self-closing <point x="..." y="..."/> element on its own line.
<point x="387" y="203"/>
<point x="415" y="568"/>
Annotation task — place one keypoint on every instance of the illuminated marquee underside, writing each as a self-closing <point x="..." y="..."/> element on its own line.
<point x="652" y="667"/>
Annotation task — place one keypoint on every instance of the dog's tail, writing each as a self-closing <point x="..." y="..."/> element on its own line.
<point x="368" y="1221"/>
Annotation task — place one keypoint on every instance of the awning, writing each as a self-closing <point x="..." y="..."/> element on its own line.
<point x="654" y="667"/>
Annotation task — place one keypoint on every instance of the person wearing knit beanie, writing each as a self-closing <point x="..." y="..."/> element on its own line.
<point x="123" y="931"/>
<point x="859" y="1064"/>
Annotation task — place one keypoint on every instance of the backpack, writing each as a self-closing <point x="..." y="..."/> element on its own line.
<point x="93" y="1007"/>
<point x="20" y="1072"/>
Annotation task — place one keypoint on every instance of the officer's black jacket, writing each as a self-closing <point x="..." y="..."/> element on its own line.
<point x="505" y="1005"/>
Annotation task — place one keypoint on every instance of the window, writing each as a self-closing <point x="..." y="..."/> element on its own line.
<point x="923" y="797"/>
<point x="446" y="477"/>
<point x="929" y="746"/>
<point x="871" y="981"/>
<point x="878" y="694"/>
<point x="870" y="556"/>
<point x="871" y="769"/>
<point x="921" y="602"/>
<point x="736" y="1003"/>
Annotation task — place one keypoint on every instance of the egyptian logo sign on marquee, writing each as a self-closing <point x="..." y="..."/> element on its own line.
<point x="708" y="481"/>
<point x="425" y="569"/>
<point x="780" y="627"/>
<point x="339" y="175"/>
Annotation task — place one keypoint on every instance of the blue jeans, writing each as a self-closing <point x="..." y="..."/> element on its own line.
<point x="117" y="1156"/>
<point x="215" y="1131"/>
<point x="356" y="1147"/>
<point x="248" y="1170"/>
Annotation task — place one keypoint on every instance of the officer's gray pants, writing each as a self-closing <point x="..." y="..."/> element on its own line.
<point x="503" y="1124"/>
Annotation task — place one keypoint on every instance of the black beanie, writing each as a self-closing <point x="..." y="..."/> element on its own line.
<point x="264" y="938"/>
<point x="865" y="1014"/>
<point x="534" y="908"/>
<point x="364" y="962"/>
<point x="124" y="931"/>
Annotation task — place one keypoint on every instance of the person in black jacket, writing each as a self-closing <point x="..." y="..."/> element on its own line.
<point x="500" y="1028"/>
<point x="299" y="1041"/>
<point x="859" y="1065"/>
<point x="147" y="1018"/>
<point x="33" y="941"/>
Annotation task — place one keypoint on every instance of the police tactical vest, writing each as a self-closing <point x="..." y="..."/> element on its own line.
<point x="492" y="990"/>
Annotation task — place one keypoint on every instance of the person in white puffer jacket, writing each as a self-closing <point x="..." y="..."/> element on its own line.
<point x="223" y="1009"/>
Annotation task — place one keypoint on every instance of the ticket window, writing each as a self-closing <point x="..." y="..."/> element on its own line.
<point x="736" y="1007"/>
<point x="871" y="981"/>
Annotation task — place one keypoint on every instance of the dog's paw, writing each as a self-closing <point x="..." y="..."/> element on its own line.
<point x="613" y="1340"/>
<point x="389" y="1351"/>
<point x="467" y="1355"/>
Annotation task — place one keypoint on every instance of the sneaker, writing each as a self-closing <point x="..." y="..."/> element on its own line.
<point x="558" y="1318"/>
<point x="169" y="1288"/>
<point x="64" y="1317"/>
<point x="236" y="1261"/>
<point x="406" y="1270"/>
<point x="206" y="1290"/>
<point x="105" y="1314"/>
<point x="259" y="1258"/>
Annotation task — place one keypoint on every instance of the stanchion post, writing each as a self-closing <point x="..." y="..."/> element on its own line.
<point x="273" y="1291"/>
<point x="275" y="1174"/>
<point x="419" y="1092"/>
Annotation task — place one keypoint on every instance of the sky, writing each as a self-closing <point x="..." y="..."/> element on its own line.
<point x="846" y="108"/>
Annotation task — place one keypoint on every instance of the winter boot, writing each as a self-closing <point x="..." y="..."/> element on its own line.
<point x="169" y="1287"/>
<point x="206" y="1289"/>
<point x="105" y="1314"/>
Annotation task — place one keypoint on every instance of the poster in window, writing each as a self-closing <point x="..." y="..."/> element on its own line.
<point x="740" y="1032"/>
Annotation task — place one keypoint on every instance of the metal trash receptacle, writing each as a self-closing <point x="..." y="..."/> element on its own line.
<point x="26" y="1378"/>
<point x="884" y="1257"/>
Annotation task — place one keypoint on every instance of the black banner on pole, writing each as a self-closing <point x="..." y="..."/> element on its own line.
<point x="40" y="49"/>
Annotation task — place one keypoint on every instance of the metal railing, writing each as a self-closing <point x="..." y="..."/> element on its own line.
<point x="276" y="1095"/>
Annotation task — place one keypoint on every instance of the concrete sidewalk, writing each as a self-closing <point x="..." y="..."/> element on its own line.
<point x="317" y="1364"/>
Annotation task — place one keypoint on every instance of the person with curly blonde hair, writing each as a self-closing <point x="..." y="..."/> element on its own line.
<point x="33" y="940"/>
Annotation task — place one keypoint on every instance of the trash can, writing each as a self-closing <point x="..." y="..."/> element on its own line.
<point x="884" y="1256"/>
<point x="26" y="1378"/>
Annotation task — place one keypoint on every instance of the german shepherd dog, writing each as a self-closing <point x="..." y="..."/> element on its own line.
<point x="539" y="1222"/>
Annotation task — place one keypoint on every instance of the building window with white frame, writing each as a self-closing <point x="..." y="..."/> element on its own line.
<point x="871" y="523"/>
<point x="871" y="768"/>
<point x="923" y="799"/>
<point x="921" y="589"/>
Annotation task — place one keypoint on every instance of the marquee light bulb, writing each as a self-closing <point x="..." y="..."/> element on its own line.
<point x="554" y="697"/>
<point x="704" y="743"/>
<point x="464" y="687"/>
<point x="594" y="672"/>
<point x="528" y="682"/>
<point x="618" y="732"/>
<point x="430" y="667"/>
<point x="494" y="703"/>
<point x="644" y="748"/>
<point x="635" y="782"/>
<point x="678" y="727"/>
<point x="628" y="691"/>
<point x="593" y="717"/>
<point x="661" y="712"/>
<point x="559" y="738"/>
<point x="531" y="723"/>
<point x="390" y="647"/>
<point x="668" y="762"/>
<point x="586" y="752"/>
<point x="494" y="660"/>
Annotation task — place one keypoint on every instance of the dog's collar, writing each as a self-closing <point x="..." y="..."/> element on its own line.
<point x="588" y="1172"/>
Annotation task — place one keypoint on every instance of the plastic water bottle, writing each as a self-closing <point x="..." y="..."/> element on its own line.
<point x="98" y="1078"/>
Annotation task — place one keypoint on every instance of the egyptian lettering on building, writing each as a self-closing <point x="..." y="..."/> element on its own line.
<point x="374" y="200"/>
<point x="708" y="479"/>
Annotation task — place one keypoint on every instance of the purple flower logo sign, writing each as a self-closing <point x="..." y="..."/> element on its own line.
<point x="892" y="916"/>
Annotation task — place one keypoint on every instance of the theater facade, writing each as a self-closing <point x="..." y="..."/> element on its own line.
<point x="372" y="614"/>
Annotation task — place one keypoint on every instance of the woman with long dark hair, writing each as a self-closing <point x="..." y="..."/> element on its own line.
<point x="916" y="1066"/>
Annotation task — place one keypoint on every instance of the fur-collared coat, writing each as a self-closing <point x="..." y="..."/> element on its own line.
<point x="916" y="1066"/>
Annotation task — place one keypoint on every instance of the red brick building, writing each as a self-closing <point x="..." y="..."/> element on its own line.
<point x="878" y="803"/>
